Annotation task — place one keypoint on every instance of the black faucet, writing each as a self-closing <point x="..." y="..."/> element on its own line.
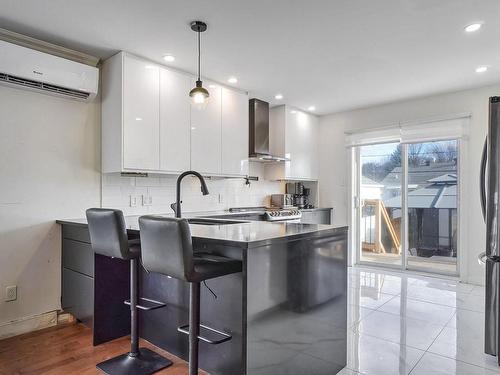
<point x="177" y="205"/>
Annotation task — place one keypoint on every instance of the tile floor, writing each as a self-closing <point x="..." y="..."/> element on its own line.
<point x="402" y="323"/>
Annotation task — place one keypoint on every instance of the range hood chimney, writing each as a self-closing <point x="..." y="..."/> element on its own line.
<point x="259" y="132"/>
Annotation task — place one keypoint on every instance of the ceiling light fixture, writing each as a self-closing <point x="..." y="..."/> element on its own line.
<point x="278" y="96"/>
<point x="481" y="69"/>
<point x="168" y="58"/>
<point x="473" y="27"/>
<point x="199" y="95"/>
<point x="311" y="108"/>
<point x="232" y="80"/>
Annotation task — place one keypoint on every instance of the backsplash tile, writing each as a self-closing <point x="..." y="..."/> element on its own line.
<point x="224" y="193"/>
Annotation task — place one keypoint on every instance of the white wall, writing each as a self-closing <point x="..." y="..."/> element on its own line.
<point x="49" y="169"/>
<point x="334" y="158"/>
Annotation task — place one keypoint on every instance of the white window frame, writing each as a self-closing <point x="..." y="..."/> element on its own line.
<point x="355" y="209"/>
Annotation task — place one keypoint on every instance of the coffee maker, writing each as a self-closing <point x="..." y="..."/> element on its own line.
<point x="300" y="194"/>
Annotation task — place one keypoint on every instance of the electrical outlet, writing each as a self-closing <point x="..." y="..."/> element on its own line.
<point x="11" y="293"/>
<point x="147" y="200"/>
<point x="133" y="201"/>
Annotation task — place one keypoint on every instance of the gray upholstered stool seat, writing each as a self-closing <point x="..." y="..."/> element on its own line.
<point x="108" y="237"/>
<point x="167" y="249"/>
<point x="209" y="266"/>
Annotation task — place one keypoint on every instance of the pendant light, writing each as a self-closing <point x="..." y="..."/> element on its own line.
<point x="199" y="95"/>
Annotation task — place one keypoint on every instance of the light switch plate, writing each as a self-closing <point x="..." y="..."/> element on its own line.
<point x="133" y="201"/>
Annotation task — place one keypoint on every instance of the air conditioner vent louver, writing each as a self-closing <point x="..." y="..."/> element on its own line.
<point x="43" y="86"/>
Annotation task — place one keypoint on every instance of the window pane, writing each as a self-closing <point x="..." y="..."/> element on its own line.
<point x="432" y="206"/>
<point x="380" y="196"/>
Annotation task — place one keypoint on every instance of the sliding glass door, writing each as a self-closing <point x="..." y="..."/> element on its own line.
<point x="432" y="206"/>
<point x="407" y="205"/>
<point x="379" y="225"/>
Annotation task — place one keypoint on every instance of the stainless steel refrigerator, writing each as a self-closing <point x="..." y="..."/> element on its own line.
<point x="490" y="190"/>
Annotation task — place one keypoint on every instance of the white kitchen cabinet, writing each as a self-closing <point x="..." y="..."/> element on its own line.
<point x="130" y="115"/>
<point x="141" y="119"/>
<point x="296" y="137"/>
<point x="234" y="133"/>
<point x="149" y="125"/>
<point x="206" y="132"/>
<point x="174" y="121"/>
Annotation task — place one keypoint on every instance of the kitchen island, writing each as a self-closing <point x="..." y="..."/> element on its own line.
<point x="286" y="311"/>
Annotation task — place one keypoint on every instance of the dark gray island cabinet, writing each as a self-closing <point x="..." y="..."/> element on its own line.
<point x="286" y="312"/>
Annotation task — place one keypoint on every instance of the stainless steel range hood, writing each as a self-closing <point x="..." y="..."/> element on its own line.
<point x="259" y="132"/>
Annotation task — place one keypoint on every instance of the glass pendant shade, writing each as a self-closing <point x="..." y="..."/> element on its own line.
<point x="199" y="96"/>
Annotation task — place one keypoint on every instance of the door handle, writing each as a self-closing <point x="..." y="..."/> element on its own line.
<point x="482" y="177"/>
<point x="481" y="258"/>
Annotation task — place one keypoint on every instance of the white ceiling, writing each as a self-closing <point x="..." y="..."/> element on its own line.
<point x="334" y="54"/>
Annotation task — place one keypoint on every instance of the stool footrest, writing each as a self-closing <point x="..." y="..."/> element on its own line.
<point x="224" y="336"/>
<point x="153" y="304"/>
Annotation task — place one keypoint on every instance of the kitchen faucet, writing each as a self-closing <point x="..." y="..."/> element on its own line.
<point x="177" y="205"/>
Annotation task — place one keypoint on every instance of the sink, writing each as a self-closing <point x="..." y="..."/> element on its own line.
<point x="202" y="221"/>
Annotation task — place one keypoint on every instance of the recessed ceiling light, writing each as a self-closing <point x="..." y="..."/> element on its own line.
<point x="168" y="58"/>
<point x="481" y="69"/>
<point x="293" y="111"/>
<point x="278" y="96"/>
<point x="232" y="80"/>
<point x="473" y="27"/>
<point x="311" y="108"/>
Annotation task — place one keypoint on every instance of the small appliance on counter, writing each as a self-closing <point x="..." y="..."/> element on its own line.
<point x="282" y="201"/>
<point x="300" y="194"/>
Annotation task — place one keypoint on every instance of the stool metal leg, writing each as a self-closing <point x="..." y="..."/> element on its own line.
<point x="194" y="327"/>
<point x="134" y="318"/>
<point x="141" y="361"/>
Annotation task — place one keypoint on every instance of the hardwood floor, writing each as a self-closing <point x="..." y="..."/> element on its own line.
<point x="67" y="349"/>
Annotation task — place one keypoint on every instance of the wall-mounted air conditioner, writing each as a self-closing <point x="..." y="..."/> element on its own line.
<point x="23" y="67"/>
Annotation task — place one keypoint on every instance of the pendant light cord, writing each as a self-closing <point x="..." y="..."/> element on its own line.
<point x="199" y="55"/>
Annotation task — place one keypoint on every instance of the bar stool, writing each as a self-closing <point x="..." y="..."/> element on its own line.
<point x="108" y="236"/>
<point x="167" y="249"/>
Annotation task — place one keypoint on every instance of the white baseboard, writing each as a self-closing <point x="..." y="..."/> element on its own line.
<point x="28" y="324"/>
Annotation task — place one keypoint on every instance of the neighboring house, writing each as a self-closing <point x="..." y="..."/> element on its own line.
<point x="432" y="209"/>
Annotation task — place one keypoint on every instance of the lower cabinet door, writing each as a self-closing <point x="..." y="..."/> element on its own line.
<point x="78" y="295"/>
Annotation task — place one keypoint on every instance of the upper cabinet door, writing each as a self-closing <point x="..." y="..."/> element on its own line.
<point x="141" y="97"/>
<point x="206" y="133"/>
<point x="174" y="121"/>
<point x="301" y="140"/>
<point x="234" y="132"/>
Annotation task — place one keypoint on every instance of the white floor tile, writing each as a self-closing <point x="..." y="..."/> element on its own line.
<point x="433" y="294"/>
<point x="410" y="308"/>
<point x="372" y="356"/>
<point x="400" y="330"/>
<point x="444" y="284"/>
<point x="465" y="345"/>
<point x="371" y="299"/>
<point x="432" y="364"/>
<point x="355" y="313"/>
<point x="346" y="371"/>
<point x="403" y="322"/>
<point x="467" y="320"/>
